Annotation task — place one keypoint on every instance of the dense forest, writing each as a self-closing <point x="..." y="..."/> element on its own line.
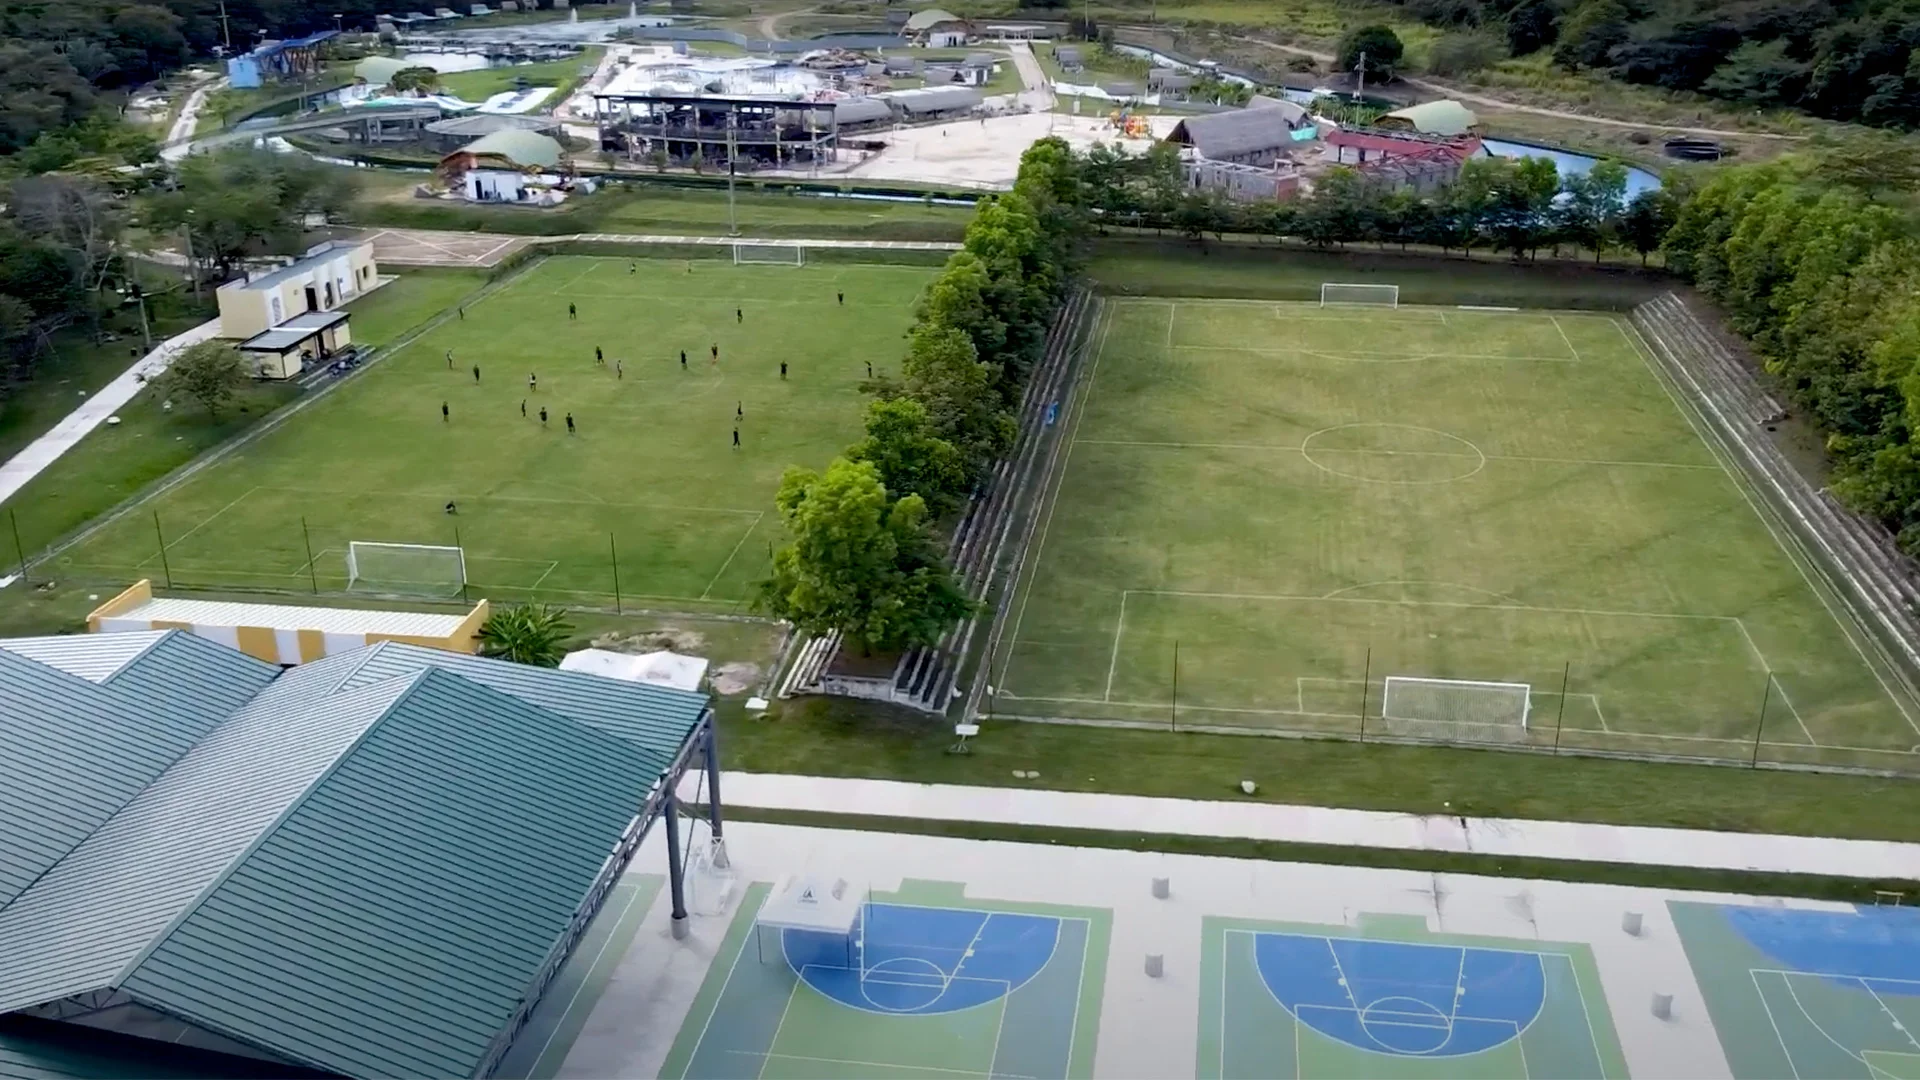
<point x="1856" y="60"/>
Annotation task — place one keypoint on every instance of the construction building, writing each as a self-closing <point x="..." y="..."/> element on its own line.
<point x="288" y="317"/>
<point x="745" y="132"/>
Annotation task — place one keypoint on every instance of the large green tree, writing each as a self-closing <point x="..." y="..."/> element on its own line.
<point x="1373" y="50"/>
<point x="859" y="562"/>
<point x="903" y="443"/>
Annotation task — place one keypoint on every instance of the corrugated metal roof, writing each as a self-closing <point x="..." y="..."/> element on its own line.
<point x="863" y="110"/>
<point x="35" y="1049"/>
<point x="294" y="617"/>
<point x="522" y="148"/>
<point x="655" y="718"/>
<point x="72" y="753"/>
<point x="93" y="657"/>
<point x="83" y="924"/>
<point x="933" y="98"/>
<point x="396" y="917"/>
<point x="1443" y="117"/>
<point x="474" y="126"/>
<point x="319" y="253"/>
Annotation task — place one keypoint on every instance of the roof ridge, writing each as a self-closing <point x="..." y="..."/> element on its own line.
<point x="280" y="819"/>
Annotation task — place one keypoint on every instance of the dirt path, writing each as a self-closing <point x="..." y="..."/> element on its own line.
<point x="1513" y="106"/>
<point x="770" y="24"/>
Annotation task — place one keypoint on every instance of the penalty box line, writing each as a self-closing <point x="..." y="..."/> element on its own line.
<point x="1739" y="624"/>
<point x="1370" y="452"/>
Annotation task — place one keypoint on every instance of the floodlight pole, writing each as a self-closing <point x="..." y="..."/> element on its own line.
<point x="1560" y="717"/>
<point x="614" y="553"/>
<point x="307" y="539"/>
<point x="1766" y="695"/>
<point x="168" y="570"/>
<point x="1366" y="684"/>
<point x="1173" y="721"/>
<point x="14" y="516"/>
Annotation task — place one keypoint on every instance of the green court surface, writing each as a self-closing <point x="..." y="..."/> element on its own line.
<point x="542" y="1044"/>
<point x="1809" y="993"/>
<point x="934" y="984"/>
<point x="651" y="480"/>
<point x="1393" y="1000"/>
<point x="1265" y="510"/>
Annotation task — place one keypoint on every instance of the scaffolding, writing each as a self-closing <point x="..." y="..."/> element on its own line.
<point x="740" y="133"/>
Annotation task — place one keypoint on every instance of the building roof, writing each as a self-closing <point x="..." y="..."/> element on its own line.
<point x="478" y="124"/>
<point x="1444" y="117"/>
<point x="1295" y="112"/>
<point x="378" y="70"/>
<point x="274" y="48"/>
<point x="526" y="149"/>
<point x="978" y="60"/>
<point x="302" y="327"/>
<point x="931" y="17"/>
<point x="361" y="867"/>
<point x="1235" y="134"/>
<point x="861" y="110"/>
<point x="327" y="620"/>
<point x="1403" y="143"/>
<point x="90" y="656"/>
<point x="319" y="253"/>
<point x="1067" y="54"/>
<point x="931" y="99"/>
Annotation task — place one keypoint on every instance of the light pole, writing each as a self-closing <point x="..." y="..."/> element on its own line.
<point x="193" y="272"/>
<point x="733" y="224"/>
<point x="133" y="292"/>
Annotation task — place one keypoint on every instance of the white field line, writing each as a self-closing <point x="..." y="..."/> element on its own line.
<point x="1059" y="483"/>
<point x="1358" y="357"/>
<point x="704" y="593"/>
<point x="1365" y="451"/>
<point x="1644" y="350"/>
<point x="1779" y="1038"/>
<point x="1565" y="338"/>
<point x="204" y="522"/>
<point x="1119" y="628"/>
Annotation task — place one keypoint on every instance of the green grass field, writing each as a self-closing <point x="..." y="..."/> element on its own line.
<point x="1302" y="501"/>
<point x="652" y="472"/>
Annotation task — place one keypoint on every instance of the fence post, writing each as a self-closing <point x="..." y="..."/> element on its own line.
<point x="1560" y="717"/>
<point x="157" y="535"/>
<point x="1766" y="695"/>
<point x="14" y="516"/>
<point x="613" y="553"/>
<point x="307" y="540"/>
<point x="1173" y="722"/>
<point x="1366" y="683"/>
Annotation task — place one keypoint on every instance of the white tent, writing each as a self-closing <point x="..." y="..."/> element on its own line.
<point x="662" y="668"/>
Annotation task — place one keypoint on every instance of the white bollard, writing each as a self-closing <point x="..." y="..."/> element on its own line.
<point x="1162" y="888"/>
<point x="1155" y="964"/>
<point x="1663" y="1006"/>
<point x="1630" y="922"/>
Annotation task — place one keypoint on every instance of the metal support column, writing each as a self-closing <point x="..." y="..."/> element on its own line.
<point x="670" y="817"/>
<point x="720" y="860"/>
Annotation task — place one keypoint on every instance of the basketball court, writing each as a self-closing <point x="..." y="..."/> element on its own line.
<point x="828" y="953"/>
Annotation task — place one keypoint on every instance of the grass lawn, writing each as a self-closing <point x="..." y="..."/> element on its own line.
<point x="1103" y="65"/>
<point x="1267" y="508"/>
<point x="486" y="82"/>
<point x="642" y="207"/>
<point x="75" y="366"/>
<point x="652" y="469"/>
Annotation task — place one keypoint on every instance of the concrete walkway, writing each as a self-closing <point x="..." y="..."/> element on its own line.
<point x="1695" y="848"/>
<point x="93" y="412"/>
<point x="1038" y="94"/>
<point x="180" y="135"/>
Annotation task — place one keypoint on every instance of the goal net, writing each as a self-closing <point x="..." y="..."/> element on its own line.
<point x="416" y="569"/>
<point x="1456" y="708"/>
<point x="775" y="254"/>
<point x="1333" y="292"/>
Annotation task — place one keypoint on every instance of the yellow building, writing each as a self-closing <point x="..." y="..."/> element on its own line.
<point x="289" y="317"/>
<point x="286" y="633"/>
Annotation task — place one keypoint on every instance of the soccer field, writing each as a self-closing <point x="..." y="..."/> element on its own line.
<point x="652" y="472"/>
<point x="1267" y="510"/>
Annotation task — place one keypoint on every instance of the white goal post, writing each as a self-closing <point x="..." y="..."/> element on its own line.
<point x="422" y="569"/>
<point x="1336" y="292"/>
<point x="774" y="254"/>
<point x="1465" y="705"/>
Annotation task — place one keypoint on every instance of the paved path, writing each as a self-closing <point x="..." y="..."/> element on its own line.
<point x="46" y="449"/>
<point x="1696" y="848"/>
<point x="1038" y="94"/>
<point x="180" y="134"/>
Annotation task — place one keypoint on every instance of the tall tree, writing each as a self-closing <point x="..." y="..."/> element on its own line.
<point x="905" y="447"/>
<point x="858" y="562"/>
<point x="211" y="372"/>
<point x="1373" y="50"/>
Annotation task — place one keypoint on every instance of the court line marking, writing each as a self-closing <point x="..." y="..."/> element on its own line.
<point x="553" y="565"/>
<point x="1773" y="1023"/>
<point x="1801" y="1006"/>
<point x="204" y="522"/>
<point x="633" y="894"/>
<point x="799" y="984"/>
<point x="1079" y="990"/>
<point x="1119" y="628"/>
<point x="693" y="1052"/>
<point x="1892" y="1019"/>
<point x="736" y="550"/>
<point x="1644" y="350"/>
<point x="1303" y="451"/>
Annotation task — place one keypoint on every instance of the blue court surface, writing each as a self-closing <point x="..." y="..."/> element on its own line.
<point x="939" y="988"/>
<point x="1797" y="993"/>
<point x="1292" y="1003"/>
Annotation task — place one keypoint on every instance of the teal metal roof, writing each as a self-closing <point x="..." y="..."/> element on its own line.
<point x="392" y="922"/>
<point x="73" y="752"/>
<point x="655" y="718"/>
<point x="93" y="657"/>
<point x="360" y="865"/>
<point x="33" y="1049"/>
<point x="88" y="920"/>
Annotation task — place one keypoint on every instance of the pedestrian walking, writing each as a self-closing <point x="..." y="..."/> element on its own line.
<point x="569" y="423"/>
<point x="533" y="383"/>
<point x="783" y="370"/>
<point x="476" y="374"/>
<point x="543" y="416"/>
<point x="736" y="438"/>
<point x="443" y="412"/>
<point x="572" y="312"/>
